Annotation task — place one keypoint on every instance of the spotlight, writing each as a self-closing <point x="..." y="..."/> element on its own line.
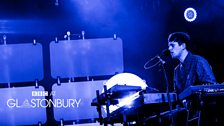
<point x="125" y="79"/>
<point x="190" y="14"/>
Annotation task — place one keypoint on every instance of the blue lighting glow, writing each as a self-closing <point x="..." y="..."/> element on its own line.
<point x="190" y="14"/>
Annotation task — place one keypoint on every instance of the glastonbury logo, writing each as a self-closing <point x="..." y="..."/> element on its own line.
<point x="43" y="102"/>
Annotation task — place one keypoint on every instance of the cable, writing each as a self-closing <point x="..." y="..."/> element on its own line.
<point x="149" y="67"/>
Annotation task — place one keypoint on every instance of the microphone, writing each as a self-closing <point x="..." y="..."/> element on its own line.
<point x="161" y="60"/>
<point x="165" y="52"/>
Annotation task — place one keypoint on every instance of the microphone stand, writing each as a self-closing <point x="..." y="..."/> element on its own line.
<point x="167" y="89"/>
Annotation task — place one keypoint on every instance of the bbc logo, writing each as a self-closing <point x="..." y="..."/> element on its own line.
<point x="39" y="93"/>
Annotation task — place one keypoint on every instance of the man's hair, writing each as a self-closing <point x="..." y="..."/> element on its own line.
<point x="180" y="37"/>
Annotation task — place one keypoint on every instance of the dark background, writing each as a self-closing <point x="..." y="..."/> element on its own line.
<point x="143" y="25"/>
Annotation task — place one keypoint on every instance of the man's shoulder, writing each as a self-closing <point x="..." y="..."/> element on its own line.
<point x="198" y="57"/>
<point x="199" y="60"/>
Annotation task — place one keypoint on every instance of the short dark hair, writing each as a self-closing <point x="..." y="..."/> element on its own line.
<point x="180" y="37"/>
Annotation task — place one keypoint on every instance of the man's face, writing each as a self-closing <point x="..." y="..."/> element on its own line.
<point x="175" y="49"/>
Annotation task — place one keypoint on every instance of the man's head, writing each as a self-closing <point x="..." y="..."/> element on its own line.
<point x="177" y="44"/>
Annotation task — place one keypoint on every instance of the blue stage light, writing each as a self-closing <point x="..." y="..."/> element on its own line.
<point x="190" y="14"/>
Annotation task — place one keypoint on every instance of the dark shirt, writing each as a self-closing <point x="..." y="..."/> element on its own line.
<point x="195" y="70"/>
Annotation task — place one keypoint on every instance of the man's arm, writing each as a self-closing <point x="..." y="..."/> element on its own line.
<point x="204" y="72"/>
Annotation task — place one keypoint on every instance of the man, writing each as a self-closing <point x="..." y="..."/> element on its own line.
<point x="192" y="69"/>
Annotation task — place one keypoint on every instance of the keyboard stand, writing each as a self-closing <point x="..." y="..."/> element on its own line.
<point x="197" y="115"/>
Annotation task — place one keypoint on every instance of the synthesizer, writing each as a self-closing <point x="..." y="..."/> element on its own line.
<point x="214" y="89"/>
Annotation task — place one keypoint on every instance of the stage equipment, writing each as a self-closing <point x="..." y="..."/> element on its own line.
<point x="190" y="14"/>
<point x="202" y="96"/>
<point x="127" y="79"/>
<point x="165" y="52"/>
<point x="82" y="62"/>
<point x="206" y="90"/>
<point x="21" y="62"/>
<point x="88" y="57"/>
<point x="142" y="102"/>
